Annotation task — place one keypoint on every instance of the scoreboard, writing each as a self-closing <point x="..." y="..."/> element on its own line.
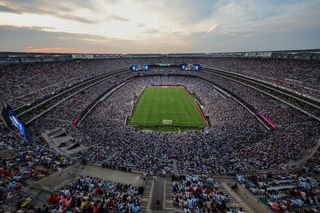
<point x="136" y="67"/>
<point x="183" y="67"/>
<point x="191" y="67"/>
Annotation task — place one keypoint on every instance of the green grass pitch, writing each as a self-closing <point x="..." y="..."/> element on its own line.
<point x="166" y="106"/>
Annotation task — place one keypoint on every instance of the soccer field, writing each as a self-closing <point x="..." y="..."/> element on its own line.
<point x="166" y="106"/>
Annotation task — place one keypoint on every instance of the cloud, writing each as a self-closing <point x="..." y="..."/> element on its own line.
<point x="151" y="31"/>
<point x="36" y="40"/>
<point x="54" y="50"/>
<point x="44" y="8"/>
<point x="8" y="9"/>
<point x="118" y="18"/>
<point x="141" y="25"/>
<point x="254" y="17"/>
<point x="160" y="26"/>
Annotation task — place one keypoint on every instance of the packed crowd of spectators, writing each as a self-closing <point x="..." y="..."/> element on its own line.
<point x="235" y="142"/>
<point x="22" y="162"/>
<point x="271" y="150"/>
<point x="105" y="131"/>
<point x="285" y="193"/>
<point x="221" y="148"/>
<point x="200" y="194"/>
<point x="23" y="83"/>
<point x="295" y="132"/>
<point x="91" y="194"/>
<point x="299" y="75"/>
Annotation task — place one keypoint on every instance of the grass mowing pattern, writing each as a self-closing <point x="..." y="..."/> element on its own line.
<point x="175" y="104"/>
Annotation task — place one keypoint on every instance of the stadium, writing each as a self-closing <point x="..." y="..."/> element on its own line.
<point x="83" y="129"/>
<point x="155" y="125"/>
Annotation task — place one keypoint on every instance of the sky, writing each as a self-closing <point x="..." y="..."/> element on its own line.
<point x="158" y="26"/>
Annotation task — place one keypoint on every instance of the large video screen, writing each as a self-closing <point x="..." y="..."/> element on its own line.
<point x="11" y="120"/>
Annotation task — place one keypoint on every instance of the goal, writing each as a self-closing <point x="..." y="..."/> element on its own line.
<point x="166" y="122"/>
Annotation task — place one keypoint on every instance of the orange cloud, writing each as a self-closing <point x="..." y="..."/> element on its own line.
<point x="55" y="50"/>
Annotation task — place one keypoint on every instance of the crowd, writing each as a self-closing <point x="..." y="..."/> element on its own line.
<point x="115" y="143"/>
<point x="200" y="194"/>
<point x="90" y="194"/>
<point x="224" y="147"/>
<point x="295" y="132"/>
<point x="25" y="83"/>
<point x="285" y="193"/>
<point x="235" y="142"/>
<point x="299" y="75"/>
<point x="22" y="162"/>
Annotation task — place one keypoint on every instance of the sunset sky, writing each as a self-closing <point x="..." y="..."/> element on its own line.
<point x="158" y="26"/>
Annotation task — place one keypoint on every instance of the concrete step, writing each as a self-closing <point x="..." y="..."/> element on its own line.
<point x="169" y="197"/>
<point x="146" y="195"/>
<point x="157" y="193"/>
<point x="38" y="196"/>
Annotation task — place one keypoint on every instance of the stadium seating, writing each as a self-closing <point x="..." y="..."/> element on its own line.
<point x="234" y="142"/>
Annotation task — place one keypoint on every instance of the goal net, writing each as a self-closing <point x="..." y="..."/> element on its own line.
<point x="166" y="121"/>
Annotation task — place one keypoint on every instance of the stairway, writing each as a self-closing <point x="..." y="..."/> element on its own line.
<point x="39" y="196"/>
<point x="168" y="198"/>
<point x="155" y="187"/>
<point x="157" y="194"/>
<point x="146" y="195"/>
<point x="233" y="202"/>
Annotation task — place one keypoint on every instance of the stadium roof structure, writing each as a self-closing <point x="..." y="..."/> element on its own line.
<point x="25" y="57"/>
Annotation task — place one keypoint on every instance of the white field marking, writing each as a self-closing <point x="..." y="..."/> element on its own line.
<point x="188" y="117"/>
<point x="145" y="117"/>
